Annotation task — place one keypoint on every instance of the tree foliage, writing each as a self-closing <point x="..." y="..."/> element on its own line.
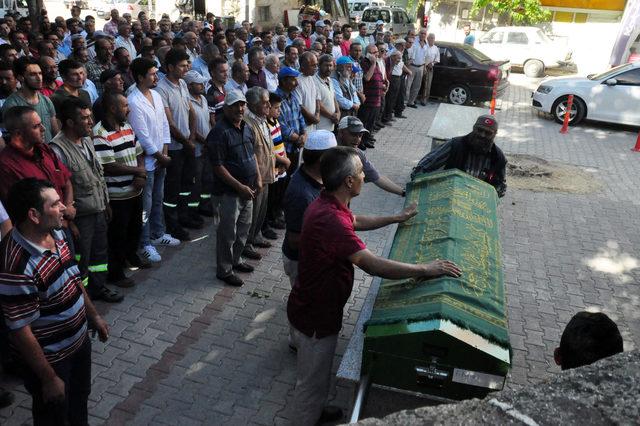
<point x="520" y="12"/>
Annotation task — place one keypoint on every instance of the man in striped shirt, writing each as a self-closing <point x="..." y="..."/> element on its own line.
<point x="122" y="158"/>
<point x="46" y="307"/>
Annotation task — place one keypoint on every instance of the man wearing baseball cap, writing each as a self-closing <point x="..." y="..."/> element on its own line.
<point x="475" y="154"/>
<point x="237" y="179"/>
<point x="350" y="132"/>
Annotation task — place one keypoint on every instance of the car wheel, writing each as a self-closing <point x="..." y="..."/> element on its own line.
<point x="577" y="113"/>
<point x="534" y="68"/>
<point x="459" y="95"/>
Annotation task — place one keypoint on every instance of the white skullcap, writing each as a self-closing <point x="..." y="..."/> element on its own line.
<point x="319" y="140"/>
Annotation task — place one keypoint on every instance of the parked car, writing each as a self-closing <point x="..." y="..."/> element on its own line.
<point x="527" y="47"/>
<point x="465" y="75"/>
<point x="612" y="96"/>
<point x="13" y="6"/>
<point x="83" y="4"/>
<point x="395" y="19"/>
<point x="357" y="7"/>
<point x="124" y="6"/>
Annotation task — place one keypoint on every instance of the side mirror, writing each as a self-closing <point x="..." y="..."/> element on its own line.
<point x="611" y="82"/>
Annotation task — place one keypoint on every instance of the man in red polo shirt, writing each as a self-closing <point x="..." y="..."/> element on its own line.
<point x="27" y="156"/>
<point x="329" y="247"/>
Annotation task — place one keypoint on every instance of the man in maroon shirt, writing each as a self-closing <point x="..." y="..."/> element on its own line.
<point x="257" y="76"/>
<point x="374" y="84"/>
<point x="26" y="155"/>
<point x="329" y="247"/>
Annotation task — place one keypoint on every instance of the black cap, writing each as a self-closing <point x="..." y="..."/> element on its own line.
<point x="107" y="74"/>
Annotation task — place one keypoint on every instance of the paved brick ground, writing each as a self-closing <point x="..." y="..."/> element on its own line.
<point x="187" y="350"/>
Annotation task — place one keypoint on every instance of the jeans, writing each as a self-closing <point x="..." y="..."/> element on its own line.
<point x="152" y="218"/>
<point x="75" y="372"/>
<point x="124" y="234"/>
<point x="233" y="229"/>
<point x="93" y="250"/>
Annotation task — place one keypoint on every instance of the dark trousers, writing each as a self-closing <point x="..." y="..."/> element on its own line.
<point x="196" y="191"/>
<point x="368" y="114"/>
<point x="206" y="178"/>
<point x="392" y="96"/>
<point x="92" y="250"/>
<point x="400" y="99"/>
<point x="178" y="185"/>
<point x="124" y="234"/>
<point x="274" y="202"/>
<point x="75" y="372"/>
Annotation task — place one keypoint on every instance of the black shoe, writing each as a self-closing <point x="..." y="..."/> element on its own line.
<point x="392" y="119"/>
<point x="107" y="295"/>
<point x="270" y="234"/>
<point x="369" y="144"/>
<point x="423" y="103"/>
<point x="412" y="106"/>
<point x="6" y="398"/>
<point x="401" y="115"/>
<point x="250" y="253"/>
<point x="330" y="413"/>
<point x="205" y="212"/>
<point x="189" y="223"/>
<point x="180" y="234"/>
<point x="243" y="267"/>
<point x="231" y="280"/>
<point x="136" y="261"/>
<point x="263" y="244"/>
<point x="387" y="122"/>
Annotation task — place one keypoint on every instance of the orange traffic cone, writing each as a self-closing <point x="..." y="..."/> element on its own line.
<point x="637" y="147"/>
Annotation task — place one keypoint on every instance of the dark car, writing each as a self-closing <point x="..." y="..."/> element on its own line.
<point x="465" y="75"/>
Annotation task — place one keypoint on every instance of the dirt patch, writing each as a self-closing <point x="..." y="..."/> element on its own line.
<point x="535" y="174"/>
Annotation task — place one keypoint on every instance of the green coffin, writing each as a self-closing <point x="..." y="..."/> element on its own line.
<point x="446" y="336"/>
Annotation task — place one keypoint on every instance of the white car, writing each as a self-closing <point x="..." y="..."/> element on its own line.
<point x="612" y="96"/>
<point x="395" y="19"/>
<point x="527" y="47"/>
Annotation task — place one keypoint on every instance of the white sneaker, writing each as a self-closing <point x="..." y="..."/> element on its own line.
<point x="166" y="240"/>
<point x="151" y="254"/>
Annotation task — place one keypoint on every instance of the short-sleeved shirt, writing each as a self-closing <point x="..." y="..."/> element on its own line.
<point x="374" y="88"/>
<point x="325" y="274"/>
<point x="42" y="289"/>
<point x="232" y="147"/>
<point x="61" y="95"/>
<point x="257" y="79"/>
<point x="327" y="99"/>
<point x="43" y="164"/>
<point x="203" y="121"/>
<point x="121" y="147"/>
<point x="301" y="191"/>
<point x="215" y="99"/>
<point x="176" y="98"/>
<point x="44" y="108"/>
<point x="307" y="94"/>
<point x="370" y="172"/>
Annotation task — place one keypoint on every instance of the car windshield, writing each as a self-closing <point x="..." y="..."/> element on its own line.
<point x="475" y="53"/>
<point x="372" y="15"/>
<point x="608" y="74"/>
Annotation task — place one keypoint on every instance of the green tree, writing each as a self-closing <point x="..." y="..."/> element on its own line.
<point x="520" y="12"/>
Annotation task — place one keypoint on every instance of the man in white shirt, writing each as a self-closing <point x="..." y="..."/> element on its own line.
<point x="329" y="108"/>
<point x="417" y="60"/>
<point x="149" y="122"/>
<point x="307" y="91"/>
<point x="271" y="70"/>
<point x="124" y="39"/>
<point x="432" y="58"/>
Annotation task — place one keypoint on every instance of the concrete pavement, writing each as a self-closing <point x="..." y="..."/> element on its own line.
<point x="185" y="349"/>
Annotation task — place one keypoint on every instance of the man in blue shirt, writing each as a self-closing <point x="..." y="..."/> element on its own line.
<point x="292" y="122"/>
<point x="469" y="38"/>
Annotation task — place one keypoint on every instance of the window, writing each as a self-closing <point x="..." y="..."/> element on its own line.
<point x="517" y="38"/>
<point x="406" y="18"/>
<point x="463" y="60"/>
<point x="398" y="18"/>
<point x="629" y="78"/>
<point x="264" y="13"/>
<point x="448" y="58"/>
<point x="372" y="15"/>
<point x="359" y="7"/>
<point x="493" y="37"/>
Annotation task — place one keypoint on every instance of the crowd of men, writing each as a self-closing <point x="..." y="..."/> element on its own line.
<point x="120" y="140"/>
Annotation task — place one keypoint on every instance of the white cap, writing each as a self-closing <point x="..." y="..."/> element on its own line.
<point x="194" y="77"/>
<point x="233" y="97"/>
<point x="319" y="140"/>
